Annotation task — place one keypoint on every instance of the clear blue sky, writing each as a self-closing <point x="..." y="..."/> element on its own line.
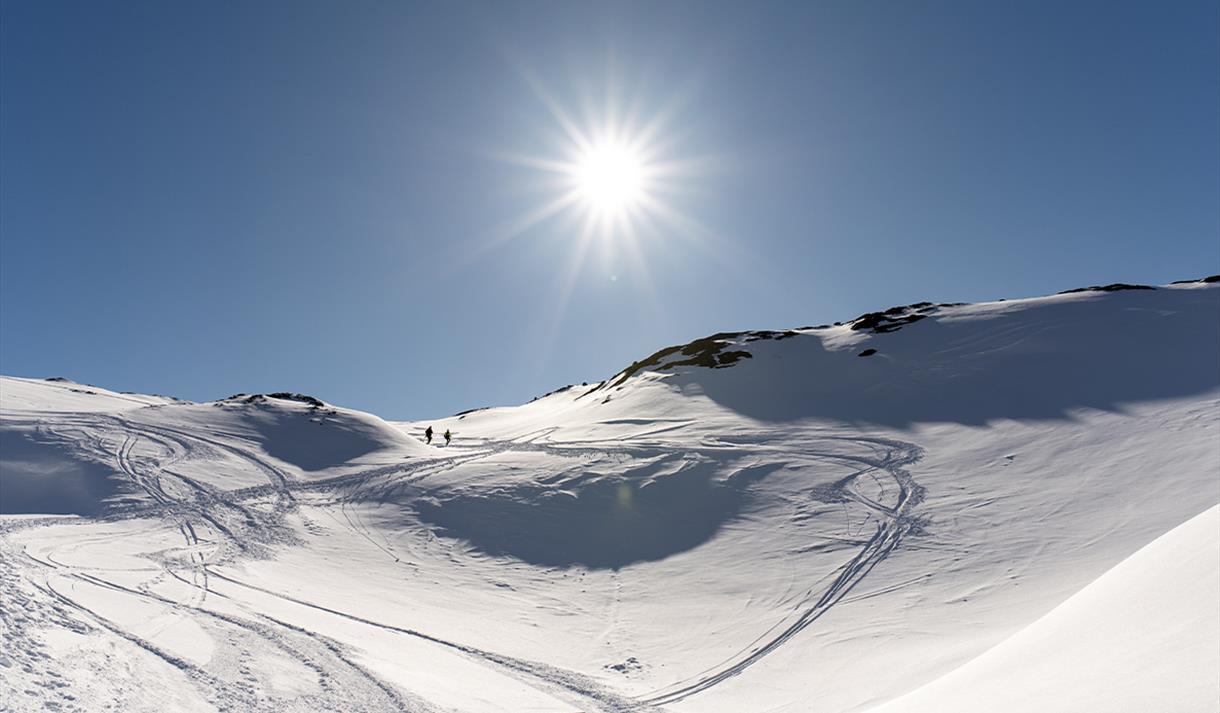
<point x="202" y="198"/>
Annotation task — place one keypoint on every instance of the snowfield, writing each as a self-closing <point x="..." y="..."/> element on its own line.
<point x="1008" y="506"/>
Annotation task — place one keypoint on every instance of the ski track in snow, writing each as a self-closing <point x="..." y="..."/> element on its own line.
<point x="145" y="473"/>
<point x="343" y="684"/>
<point x="1045" y="420"/>
<point x="237" y="529"/>
<point x="897" y="523"/>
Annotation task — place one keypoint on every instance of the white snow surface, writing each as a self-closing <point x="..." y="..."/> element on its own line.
<point x="959" y="521"/>
<point x="1153" y="617"/>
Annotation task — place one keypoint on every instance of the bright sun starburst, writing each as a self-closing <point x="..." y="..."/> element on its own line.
<point x="611" y="178"/>
<point x="612" y="169"/>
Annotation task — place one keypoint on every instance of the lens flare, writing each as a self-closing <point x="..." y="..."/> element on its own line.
<point x="615" y="177"/>
<point x="610" y="177"/>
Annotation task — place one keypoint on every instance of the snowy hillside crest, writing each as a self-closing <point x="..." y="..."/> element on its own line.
<point x="881" y="514"/>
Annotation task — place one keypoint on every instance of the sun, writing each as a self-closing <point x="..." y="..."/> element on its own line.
<point x="614" y="171"/>
<point x="614" y="174"/>
<point x="610" y="177"/>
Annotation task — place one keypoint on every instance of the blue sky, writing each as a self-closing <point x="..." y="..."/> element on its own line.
<point x="207" y="198"/>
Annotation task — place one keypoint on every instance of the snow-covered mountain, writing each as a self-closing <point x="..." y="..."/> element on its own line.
<point x="1006" y="506"/>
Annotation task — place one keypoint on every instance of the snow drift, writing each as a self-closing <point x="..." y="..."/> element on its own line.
<point x="1153" y="617"/>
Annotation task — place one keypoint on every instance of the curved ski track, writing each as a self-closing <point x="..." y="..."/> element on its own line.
<point x="237" y="528"/>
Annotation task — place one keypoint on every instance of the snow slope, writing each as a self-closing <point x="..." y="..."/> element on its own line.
<point x="819" y="519"/>
<point x="1153" y="618"/>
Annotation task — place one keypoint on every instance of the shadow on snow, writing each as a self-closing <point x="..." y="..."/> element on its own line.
<point x="609" y="523"/>
<point x="1034" y="362"/>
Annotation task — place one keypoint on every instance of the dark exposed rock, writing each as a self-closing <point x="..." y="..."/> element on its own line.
<point x="767" y="334"/>
<point x="894" y="318"/>
<point x="560" y="390"/>
<point x="631" y="664"/>
<point x="727" y="358"/>
<point x="888" y="321"/>
<point x="281" y="395"/>
<point x="1116" y="287"/>
<point x="1209" y="279"/>
<point x="706" y="352"/>
<point x="288" y="396"/>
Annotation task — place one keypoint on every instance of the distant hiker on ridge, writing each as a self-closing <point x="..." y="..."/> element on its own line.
<point x="447" y="436"/>
<point x="428" y="435"/>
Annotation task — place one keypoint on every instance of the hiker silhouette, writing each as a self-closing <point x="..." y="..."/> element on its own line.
<point x="447" y="436"/>
<point x="428" y="435"/>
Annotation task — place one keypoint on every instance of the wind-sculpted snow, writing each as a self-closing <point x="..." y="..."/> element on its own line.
<point x="643" y="514"/>
<point x="1153" y="617"/>
<point x="308" y="436"/>
<point x="802" y="530"/>
<point x="41" y="476"/>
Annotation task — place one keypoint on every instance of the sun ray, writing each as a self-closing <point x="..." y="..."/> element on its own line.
<point x="559" y="306"/>
<point x="559" y="205"/>
<point x="621" y="171"/>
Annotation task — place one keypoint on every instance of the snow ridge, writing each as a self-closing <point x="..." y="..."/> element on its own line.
<point x="753" y="521"/>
